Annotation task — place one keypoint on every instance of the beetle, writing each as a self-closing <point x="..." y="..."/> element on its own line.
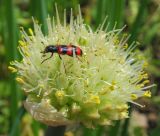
<point x="70" y="50"/>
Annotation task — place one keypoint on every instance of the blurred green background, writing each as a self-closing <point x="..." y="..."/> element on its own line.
<point x="142" y="20"/>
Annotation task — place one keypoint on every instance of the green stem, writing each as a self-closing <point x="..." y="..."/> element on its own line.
<point x="35" y="127"/>
<point x="93" y="132"/>
<point x="115" y="129"/>
<point x="55" y="131"/>
<point x="11" y="49"/>
<point x="17" y="121"/>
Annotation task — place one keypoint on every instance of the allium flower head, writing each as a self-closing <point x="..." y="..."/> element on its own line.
<point x="93" y="89"/>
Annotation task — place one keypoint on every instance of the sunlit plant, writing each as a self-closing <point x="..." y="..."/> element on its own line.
<point x="94" y="89"/>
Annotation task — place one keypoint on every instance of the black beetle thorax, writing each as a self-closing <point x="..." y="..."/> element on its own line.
<point x="52" y="49"/>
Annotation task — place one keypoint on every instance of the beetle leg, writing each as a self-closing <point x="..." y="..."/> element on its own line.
<point x="78" y="58"/>
<point x="63" y="63"/>
<point x="60" y="57"/>
<point x="47" y="58"/>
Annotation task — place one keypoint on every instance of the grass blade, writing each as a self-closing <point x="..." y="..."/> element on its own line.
<point x="39" y="11"/>
<point x="115" y="12"/>
<point x="138" y="21"/>
<point x="113" y="9"/>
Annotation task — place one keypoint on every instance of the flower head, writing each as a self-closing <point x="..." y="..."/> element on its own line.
<point x="93" y="88"/>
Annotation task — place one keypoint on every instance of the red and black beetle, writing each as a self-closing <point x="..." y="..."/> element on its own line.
<point x="70" y="50"/>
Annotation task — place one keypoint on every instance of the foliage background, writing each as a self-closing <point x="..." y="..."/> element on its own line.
<point x="142" y="21"/>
